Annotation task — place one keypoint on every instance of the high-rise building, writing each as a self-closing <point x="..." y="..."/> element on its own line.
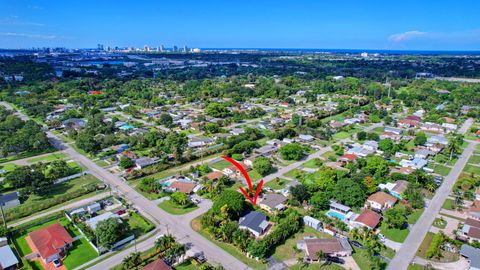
<point x="146" y="48"/>
<point x="175" y="48"/>
<point x="162" y="48"/>
<point x="185" y="49"/>
<point x="100" y="47"/>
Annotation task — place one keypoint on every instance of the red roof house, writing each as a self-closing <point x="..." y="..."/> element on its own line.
<point x="158" y="264"/>
<point x="368" y="218"/>
<point x="50" y="242"/>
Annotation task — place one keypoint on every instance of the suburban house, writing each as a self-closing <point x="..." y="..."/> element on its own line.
<point x="266" y="150"/>
<point x="143" y="162"/>
<point x="472" y="255"/>
<point x="8" y="260"/>
<point x="334" y="247"/>
<point x="255" y="222"/>
<point x="347" y="158"/>
<point x="273" y="202"/>
<point x="158" y="264"/>
<point x="471" y="230"/>
<point x="9" y="200"/>
<point x="93" y="222"/>
<point x="50" y="243"/>
<point x="367" y="218"/>
<point x="94" y="208"/>
<point x="233" y="171"/>
<point x="380" y="201"/>
<point x="306" y="138"/>
<point x="313" y="222"/>
<point x="215" y="175"/>
<point x="474" y="210"/>
<point x="416" y="163"/>
<point x="396" y="189"/>
<point x="408" y="123"/>
<point x="183" y="186"/>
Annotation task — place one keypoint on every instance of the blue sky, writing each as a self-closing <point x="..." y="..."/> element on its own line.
<point x="344" y="24"/>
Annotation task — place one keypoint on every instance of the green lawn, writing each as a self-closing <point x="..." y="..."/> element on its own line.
<point x="396" y="235"/>
<point x="18" y="237"/>
<point x="472" y="169"/>
<point x="378" y="130"/>
<point x="474" y="159"/>
<point x="138" y="224"/>
<point x="341" y="135"/>
<point x="8" y="167"/>
<point x="186" y="266"/>
<point x="410" y="145"/>
<point x="101" y="163"/>
<point x="175" y="209"/>
<point x="413" y="217"/>
<point x="222" y="164"/>
<point x="47" y="158"/>
<point x="442" y="170"/>
<point x="227" y="247"/>
<point x="441" y="224"/>
<point x="311" y="164"/>
<point x="277" y="184"/>
<point x="80" y="253"/>
<point x="314" y="266"/>
<point x="448" y="204"/>
<point x="63" y="188"/>
<point x="362" y="258"/>
<point x="295" y="174"/>
<point x="254" y="175"/>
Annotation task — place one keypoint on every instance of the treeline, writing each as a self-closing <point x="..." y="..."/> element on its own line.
<point x="17" y="136"/>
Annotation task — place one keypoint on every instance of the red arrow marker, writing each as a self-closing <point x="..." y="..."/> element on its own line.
<point x="249" y="181"/>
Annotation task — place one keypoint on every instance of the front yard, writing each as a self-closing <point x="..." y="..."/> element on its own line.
<point x="80" y="253"/>
<point x="288" y="250"/>
<point x="175" y="209"/>
<point x="397" y="235"/>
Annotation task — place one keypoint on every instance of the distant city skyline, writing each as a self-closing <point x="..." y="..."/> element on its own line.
<point x="307" y="24"/>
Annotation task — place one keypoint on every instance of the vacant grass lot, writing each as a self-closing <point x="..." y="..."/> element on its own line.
<point x="311" y="164"/>
<point x="442" y="170"/>
<point x="47" y="158"/>
<point x="222" y="164"/>
<point x="341" y="135"/>
<point x="448" y="204"/>
<point x="475" y="159"/>
<point x="277" y="183"/>
<point x="472" y="169"/>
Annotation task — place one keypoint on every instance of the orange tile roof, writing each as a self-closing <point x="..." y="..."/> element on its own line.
<point x="184" y="187"/>
<point x="50" y="239"/>
<point x="369" y="218"/>
<point x="382" y="198"/>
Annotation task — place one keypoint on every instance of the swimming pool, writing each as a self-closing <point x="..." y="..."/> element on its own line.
<point x="336" y="215"/>
<point x="167" y="183"/>
<point x="126" y="127"/>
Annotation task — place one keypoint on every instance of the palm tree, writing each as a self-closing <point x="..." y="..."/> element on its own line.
<point x="321" y="255"/>
<point x="165" y="242"/>
<point x="132" y="260"/>
<point x="454" y="145"/>
<point x="302" y="262"/>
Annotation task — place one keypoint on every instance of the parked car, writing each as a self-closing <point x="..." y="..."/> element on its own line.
<point x="57" y="263"/>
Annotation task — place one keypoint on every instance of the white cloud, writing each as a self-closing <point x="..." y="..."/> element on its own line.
<point x="24" y="35"/>
<point x="14" y="21"/>
<point x="400" y="37"/>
